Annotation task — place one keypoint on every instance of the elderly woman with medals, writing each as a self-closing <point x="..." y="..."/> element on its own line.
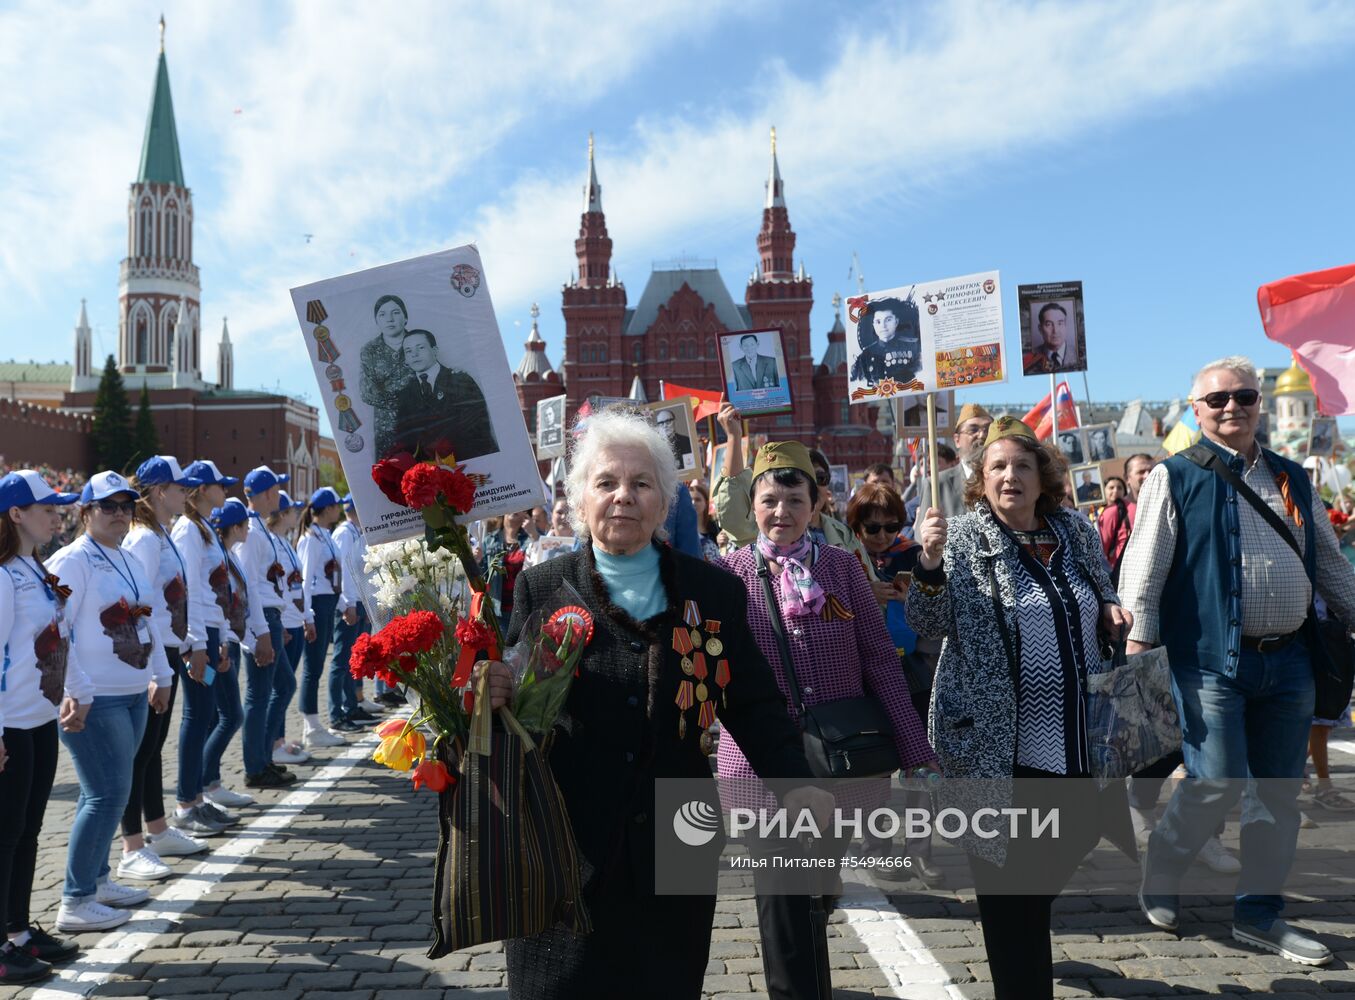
<point x="670" y="652"/>
<point x="384" y="372"/>
<point x="813" y="603"/>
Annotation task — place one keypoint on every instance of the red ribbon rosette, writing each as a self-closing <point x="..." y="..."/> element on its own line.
<point x="579" y="618"/>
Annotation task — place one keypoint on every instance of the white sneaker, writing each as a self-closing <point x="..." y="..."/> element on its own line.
<point x="283" y="755"/>
<point x="143" y="865"/>
<point x="372" y="707"/>
<point x="174" y="843"/>
<point x="110" y="893"/>
<point x="227" y="799"/>
<point x="1217" y="858"/>
<point x="323" y="738"/>
<point x="89" y="915"/>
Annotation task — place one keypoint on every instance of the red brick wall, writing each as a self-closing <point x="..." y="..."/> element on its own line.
<point x="37" y="435"/>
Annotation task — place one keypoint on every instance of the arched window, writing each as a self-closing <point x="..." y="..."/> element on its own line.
<point x="792" y="348"/>
<point x="663" y="350"/>
<point x="602" y="352"/>
<point x="681" y="350"/>
<point x="172" y="230"/>
<point x="710" y="347"/>
<point x="846" y="413"/>
<point x="142" y="344"/>
<point x="145" y="229"/>
<point x="637" y="351"/>
<point x="585" y="354"/>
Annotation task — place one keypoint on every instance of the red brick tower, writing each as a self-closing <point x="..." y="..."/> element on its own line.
<point x="594" y="304"/>
<point x="778" y="296"/>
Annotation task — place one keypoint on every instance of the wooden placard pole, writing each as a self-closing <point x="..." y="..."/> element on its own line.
<point x="935" y="500"/>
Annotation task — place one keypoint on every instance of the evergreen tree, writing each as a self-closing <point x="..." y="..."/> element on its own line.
<point x="145" y="441"/>
<point x="112" y="421"/>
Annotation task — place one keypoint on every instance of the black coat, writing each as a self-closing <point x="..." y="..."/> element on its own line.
<point x="622" y="727"/>
<point x="456" y="417"/>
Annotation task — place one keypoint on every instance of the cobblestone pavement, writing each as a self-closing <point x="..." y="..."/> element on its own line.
<point x="323" y="893"/>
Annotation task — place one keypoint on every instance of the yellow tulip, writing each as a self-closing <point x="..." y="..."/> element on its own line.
<point x="415" y="742"/>
<point x="394" y="752"/>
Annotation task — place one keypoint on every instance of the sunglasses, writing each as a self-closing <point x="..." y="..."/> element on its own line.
<point x="1218" y="400"/>
<point x="889" y="527"/>
<point x="111" y="507"/>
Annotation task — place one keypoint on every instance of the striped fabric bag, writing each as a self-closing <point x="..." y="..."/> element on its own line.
<point x="507" y="864"/>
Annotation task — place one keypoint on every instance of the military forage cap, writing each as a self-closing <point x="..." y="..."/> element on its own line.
<point x="972" y="411"/>
<point x="1005" y="427"/>
<point x="783" y="455"/>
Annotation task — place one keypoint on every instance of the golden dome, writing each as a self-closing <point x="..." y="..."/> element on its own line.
<point x="1292" y="381"/>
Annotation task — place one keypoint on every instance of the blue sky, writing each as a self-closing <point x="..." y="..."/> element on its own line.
<point x="1172" y="156"/>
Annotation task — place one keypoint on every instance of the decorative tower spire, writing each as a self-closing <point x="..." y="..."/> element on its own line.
<point x="160" y="146"/>
<point x="534" y="362"/>
<point x="592" y="191"/>
<point x="83" y="346"/>
<point x="225" y="359"/>
<point x="594" y="246"/>
<point x="776" y="195"/>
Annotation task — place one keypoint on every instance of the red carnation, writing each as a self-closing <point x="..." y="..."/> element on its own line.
<point x="388" y="472"/>
<point x="368" y="657"/>
<point x="458" y="489"/>
<point x="421" y="485"/>
<point x="474" y="634"/>
<point x="416" y="632"/>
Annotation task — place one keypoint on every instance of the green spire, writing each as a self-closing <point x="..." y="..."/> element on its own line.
<point x="160" y="148"/>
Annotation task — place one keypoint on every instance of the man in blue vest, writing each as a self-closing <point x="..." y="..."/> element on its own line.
<point x="1210" y="577"/>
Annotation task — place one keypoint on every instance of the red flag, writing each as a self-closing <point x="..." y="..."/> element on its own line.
<point x="1314" y="316"/>
<point x="705" y="403"/>
<point x="1040" y="415"/>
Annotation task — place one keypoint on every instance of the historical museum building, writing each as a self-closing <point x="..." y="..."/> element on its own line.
<point x="160" y="333"/>
<point x="615" y="349"/>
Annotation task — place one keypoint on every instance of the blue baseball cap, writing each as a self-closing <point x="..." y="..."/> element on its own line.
<point x="324" y="497"/>
<point x="209" y="474"/>
<point x="231" y="513"/>
<point x="161" y="469"/>
<point x="103" y="485"/>
<point x="262" y="479"/>
<point x="285" y="502"/>
<point x="348" y="500"/>
<point x="24" y="487"/>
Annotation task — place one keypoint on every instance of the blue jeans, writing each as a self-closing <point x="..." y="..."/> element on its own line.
<point x="343" y="690"/>
<point x="267" y="689"/>
<point x="316" y="652"/>
<point x="1252" y="726"/>
<point x="199" y="709"/>
<point x="296" y="649"/>
<point x="226" y="715"/>
<point x="102" y="754"/>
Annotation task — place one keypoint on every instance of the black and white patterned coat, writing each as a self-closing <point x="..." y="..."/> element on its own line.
<point x="972" y="722"/>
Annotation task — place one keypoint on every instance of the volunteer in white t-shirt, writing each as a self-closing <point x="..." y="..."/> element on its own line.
<point x="322" y="564"/>
<point x="41" y="683"/>
<point x="298" y="622"/>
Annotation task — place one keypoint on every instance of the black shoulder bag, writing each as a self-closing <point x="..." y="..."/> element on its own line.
<point x="846" y="738"/>
<point x="1329" y="645"/>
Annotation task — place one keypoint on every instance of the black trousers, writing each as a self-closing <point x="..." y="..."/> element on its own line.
<point x="25" y="786"/>
<point x="148" y="785"/>
<point x="1016" y="928"/>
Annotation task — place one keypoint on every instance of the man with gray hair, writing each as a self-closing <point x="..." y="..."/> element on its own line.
<point x="1230" y="545"/>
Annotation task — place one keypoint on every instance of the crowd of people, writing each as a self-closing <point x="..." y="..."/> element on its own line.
<point x="973" y="623"/>
<point x="751" y="609"/>
<point x="166" y="590"/>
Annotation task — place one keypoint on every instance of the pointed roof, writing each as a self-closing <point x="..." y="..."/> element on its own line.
<point x="83" y="322"/>
<point x="637" y="390"/>
<point x="534" y="360"/>
<point x="837" y="339"/>
<point x="160" y="147"/>
<point x="592" y="191"/>
<point x="776" y="194"/>
<point x="225" y="333"/>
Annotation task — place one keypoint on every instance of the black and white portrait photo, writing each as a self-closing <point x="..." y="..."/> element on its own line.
<point x="550" y="427"/>
<point x="1100" y="440"/>
<point x="1322" y="440"/>
<point x="1087" y="484"/>
<point x="674" y="417"/>
<point x="1070" y="443"/>
<point x="754" y="366"/>
<point x="408" y="359"/>
<point x="890" y="341"/>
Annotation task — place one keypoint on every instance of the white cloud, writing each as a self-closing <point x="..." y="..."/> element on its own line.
<point x="353" y="118"/>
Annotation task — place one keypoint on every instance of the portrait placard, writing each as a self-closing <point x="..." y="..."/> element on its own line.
<point x="408" y="358"/>
<point x="840" y="481"/>
<point x="920" y="338"/>
<point x="1087" y="484"/>
<point x="674" y="417"/>
<point x="1322" y="437"/>
<point x="1070" y="443"/>
<point x="1098" y="442"/>
<point x="914" y="415"/>
<point x="550" y="427"/>
<point x="1053" y="328"/>
<point x="754" y="367"/>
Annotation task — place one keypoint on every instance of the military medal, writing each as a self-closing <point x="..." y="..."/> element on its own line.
<point x="687" y="666"/>
<point x="693" y="648"/>
<point x="714" y="646"/>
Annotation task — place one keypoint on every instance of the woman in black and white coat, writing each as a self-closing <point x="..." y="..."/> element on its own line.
<point x="1019" y="590"/>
